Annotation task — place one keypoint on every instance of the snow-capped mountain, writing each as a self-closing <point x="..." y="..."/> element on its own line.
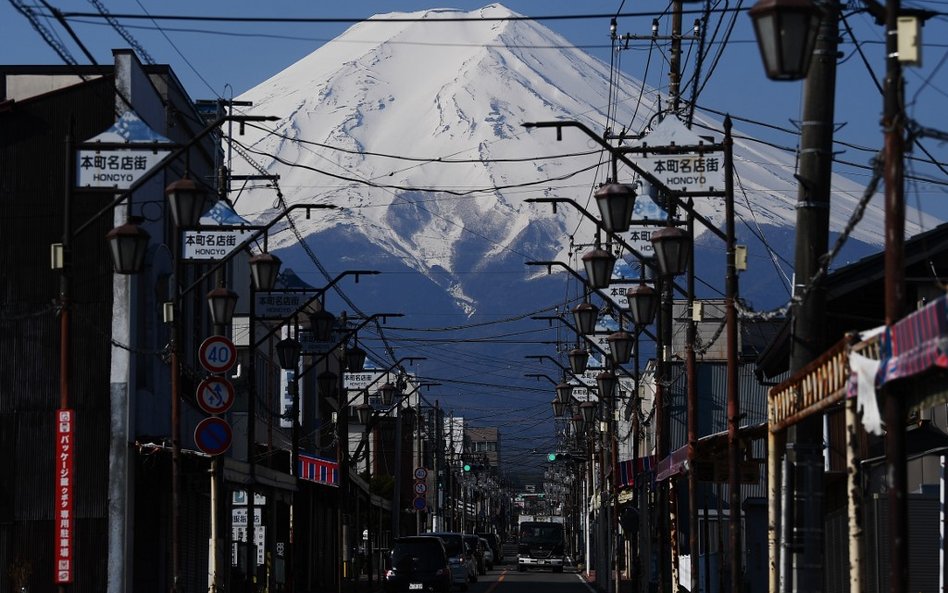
<point x="415" y="132"/>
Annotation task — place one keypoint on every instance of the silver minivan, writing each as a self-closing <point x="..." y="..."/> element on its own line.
<point x="463" y="567"/>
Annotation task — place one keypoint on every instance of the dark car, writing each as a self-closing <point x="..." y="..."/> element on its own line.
<point x="418" y="563"/>
<point x="476" y="549"/>
<point x="494" y="541"/>
<point x="463" y="567"/>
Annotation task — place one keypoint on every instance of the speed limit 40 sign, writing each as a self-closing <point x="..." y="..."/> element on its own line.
<point x="217" y="354"/>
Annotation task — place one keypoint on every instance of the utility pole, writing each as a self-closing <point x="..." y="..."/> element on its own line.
<point x="808" y="337"/>
<point x="893" y="124"/>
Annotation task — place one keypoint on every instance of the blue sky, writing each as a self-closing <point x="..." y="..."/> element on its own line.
<point x="222" y="59"/>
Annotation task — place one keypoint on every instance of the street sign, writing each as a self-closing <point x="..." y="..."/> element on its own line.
<point x="217" y="354"/>
<point x="112" y="160"/>
<point x="212" y="245"/>
<point x="421" y="488"/>
<point x="420" y="503"/>
<point x="280" y="305"/>
<point x="692" y="172"/>
<point x="215" y="395"/>
<point x="421" y="473"/>
<point x="212" y="435"/>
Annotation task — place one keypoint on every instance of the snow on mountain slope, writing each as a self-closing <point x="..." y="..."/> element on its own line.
<point x="451" y="100"/>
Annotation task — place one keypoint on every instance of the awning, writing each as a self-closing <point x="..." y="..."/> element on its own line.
<point x="916" y="343"/>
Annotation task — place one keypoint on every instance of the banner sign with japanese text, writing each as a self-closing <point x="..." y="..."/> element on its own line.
<point x="64" y="520"/>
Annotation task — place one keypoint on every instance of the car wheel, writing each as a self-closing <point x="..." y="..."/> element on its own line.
<point x="521" y="568"/>
<point x="557" y="569"/>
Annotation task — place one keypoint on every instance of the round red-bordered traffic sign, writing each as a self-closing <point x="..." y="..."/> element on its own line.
<point x="420" y="488"/>
<point x="217" y="354"/>
<point x="420" y="503"/>
<point x="213" y="435"/>
<point x="215" y="395"/>
<point x="421" y="473"/>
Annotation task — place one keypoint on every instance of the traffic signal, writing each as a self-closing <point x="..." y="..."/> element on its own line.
<point x="467" y="467"/>
<point x="553" y="456"/>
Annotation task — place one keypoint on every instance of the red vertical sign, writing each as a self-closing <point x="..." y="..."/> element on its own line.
<point x="63" y="519"/>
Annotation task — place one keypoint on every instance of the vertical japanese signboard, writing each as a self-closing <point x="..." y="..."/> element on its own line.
<point x="64" y="520"/>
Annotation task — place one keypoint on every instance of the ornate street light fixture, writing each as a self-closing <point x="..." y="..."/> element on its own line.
<point x="364" y="412"/>
<point x="564" y="391"/>
<point x="558" y="408"/>
<point x="578" y="424"/>
<point x="288" y="352"/>
<point x="585" y="315"/>
<point x="606" y="381"/>
<point x="621" y="344"/>
<point x="222" y="301"/>
<point x="387" y="392"/>
<point x="264" y="269"/>
<point x="187" y="201"/>
<point x="127" y="244"/>
<point x="643" y="303"/>
<point x="355" y="359"/>
<point x="587" y="410"/>
<point x="328" y="383"/>
<point x="578" y="360"/>
<point x="599" y="264"/>
<point x="616" y="202"/>
<point x="322" y="322"/>
<point x="786" y="33"/>
<point x="671" y="250"/>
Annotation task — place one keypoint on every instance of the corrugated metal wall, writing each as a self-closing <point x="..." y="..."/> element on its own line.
<point x="32" y="170"/>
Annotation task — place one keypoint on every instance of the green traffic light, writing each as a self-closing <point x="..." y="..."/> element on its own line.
<point x="467" y="467"/>
<point x="551" y="456"/>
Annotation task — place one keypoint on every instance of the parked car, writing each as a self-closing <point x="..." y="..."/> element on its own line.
<point x="418" y="563"/>
<point x="488" y="554"/>
<point x="476" y="549"/>
<point x="463" y="565"/>
<point x="493" y="540"/>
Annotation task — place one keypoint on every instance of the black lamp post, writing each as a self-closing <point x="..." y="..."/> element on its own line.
<point x="127" y="244"/>
<point x="643" y="303"/>
<point x="328" y="383"/>
<point x="616" y="202"/>
<point x="558" y="408"/>
<point x="355" y="359"/>
<point x="606" y="381"/>
<point x="578" y="360"/>
<point x="585" y="315"/>
<point x="564" y="391"/>
<point x="387" y="392"/>
<point x="621" y="344"/>
<point x="364" y="412"/>
<point x="671" y="250"/>
<point x="786" y="33"/>
<point x="578" y="424"/>
<point x="187" y="202"/>
<point x="288" y="352"/>
<point x="587" y="411"/>
<point x="222" y="301"/>
<point x="599" y="264"/>
<point x="322" y="322"/>
<point x="264" y="268"/>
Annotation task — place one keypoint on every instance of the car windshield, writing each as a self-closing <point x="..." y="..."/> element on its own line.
<point x="452" y="544"/>
<point x="543" y="533"/>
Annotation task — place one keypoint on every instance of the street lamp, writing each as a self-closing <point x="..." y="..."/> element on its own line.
<point x="578" y="360"/>
<point x="222" y="302"/>
<point x="355" y="359"/>
<point x="288" y="352"/>
<point x="606" y="381"/>
<point x="387" y="393"/>
<point x="621" y="344"/>
<point x="127" y="244"/>
<point x="616" y="202"/>
<point x="587" y="411"/>
<point x="585" y="315"/>
<point x="187" y="202"/>
<point x="558" y="408"/>
<point x="327" y="382"/>
<point x="671" y="250"/>
<point x="599" y="264"/>
<point x="786" y="33"/>
<point x="564" y="391"/>
<point x="264" y="268"/>
<point x="643" y="303"/>
<point x="322" y="322"/>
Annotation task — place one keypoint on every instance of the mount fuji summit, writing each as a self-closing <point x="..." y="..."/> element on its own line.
<point x="414" y="130"/>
